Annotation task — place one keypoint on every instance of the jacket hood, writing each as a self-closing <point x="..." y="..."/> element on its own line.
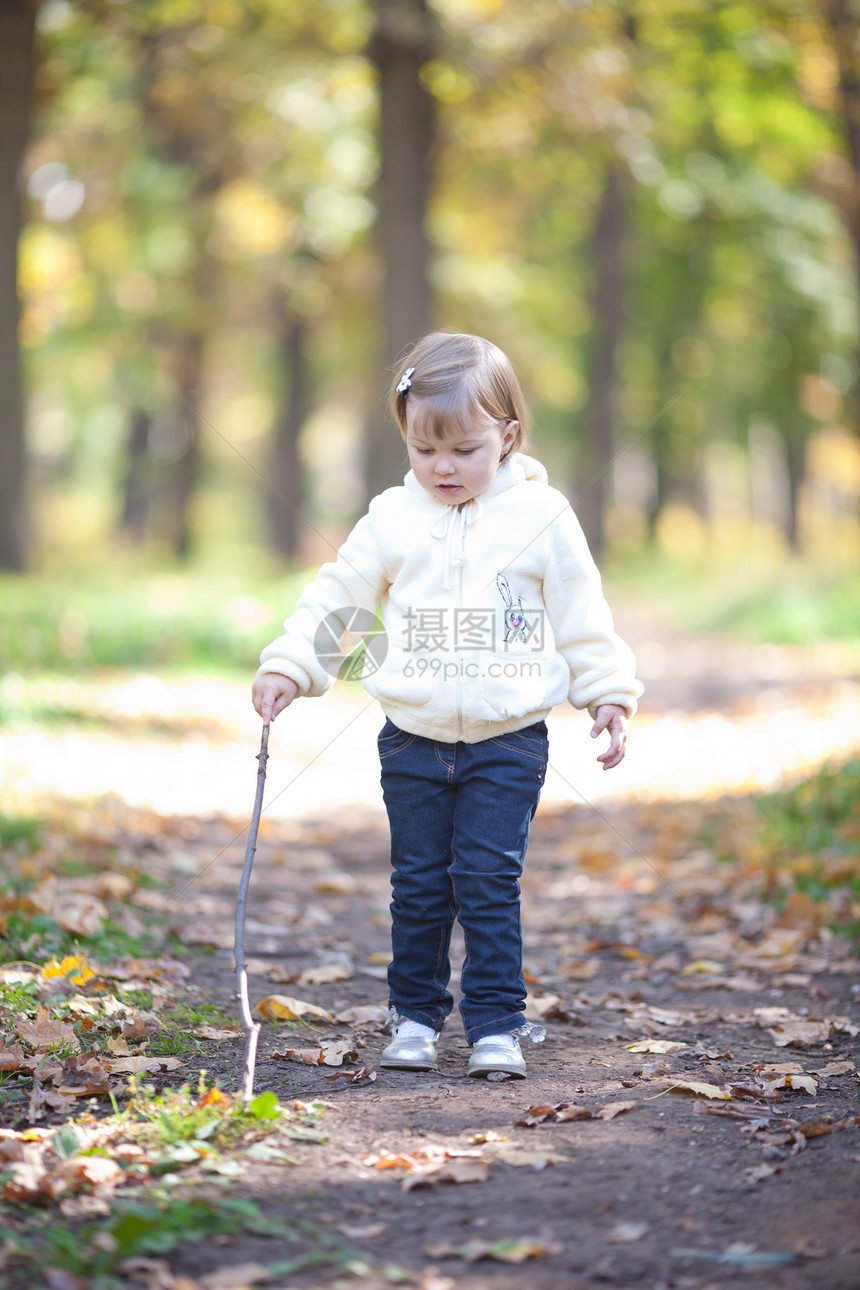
<point x="519" y="468"/>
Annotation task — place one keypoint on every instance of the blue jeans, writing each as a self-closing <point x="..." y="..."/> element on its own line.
<point x="459" y="816"/>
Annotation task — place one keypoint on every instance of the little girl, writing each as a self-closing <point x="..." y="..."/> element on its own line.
<point x="493" y="613"/>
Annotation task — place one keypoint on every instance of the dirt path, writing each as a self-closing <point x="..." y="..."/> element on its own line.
<point x="666" y="1191"/>
<point x="597" y="1170"/>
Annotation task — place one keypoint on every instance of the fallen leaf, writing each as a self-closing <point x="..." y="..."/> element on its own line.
<point x="516" y="1251"/>
<point x="800" y="1034"/>
<point x="703" y="965"/>
<point x="283" y="1007"/>
<point x="213" y="1032"/>
<point x="623" y="1233"/>
<point x="805" y="1082"/>
<point x="74" y="968"/>
<point x="323" y="975"/>
<point x="236" y="1277"/>
<point x="832" y="1068"/>
<point x="77" y="912"/>
<point x="99" y="1172"/>
<point x="453" y="1171"/>
<point x="363" y="1015"/>
<point x="366" y="1075"/>
<point x="330" y="1054"/>
<point x="537" y="1005"/>
<point x="695" y="1087"/>
<point x="611" y="1109"/>
<point x="757" y="1173"/>
<point x="362" y="1232"/>
<point x="47" y="1032"/>
<point x="134" y="1065"/>
<point x="13" y="1059"/>
<point x="84" y="1075"/>
<point x="537" y="1159"/>
<point x="657" y="1046"/>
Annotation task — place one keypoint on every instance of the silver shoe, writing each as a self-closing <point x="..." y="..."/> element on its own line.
<point x="492" y="1059"/>
<point x="409" y="1053"/>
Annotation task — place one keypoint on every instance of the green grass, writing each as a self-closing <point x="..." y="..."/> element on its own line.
<point x="121" y="614"/>
<point x="811" y="840"/>
<point x="753" y="594"/>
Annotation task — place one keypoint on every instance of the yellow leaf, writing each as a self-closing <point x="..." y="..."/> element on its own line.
<point x="74" y="968"/>
<point x="703" y="965"/>
<point x="283" y="1007"/>
<point x="695" y="1087"/>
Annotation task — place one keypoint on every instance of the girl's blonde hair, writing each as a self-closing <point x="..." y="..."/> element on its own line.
<point x="459" y="379"/>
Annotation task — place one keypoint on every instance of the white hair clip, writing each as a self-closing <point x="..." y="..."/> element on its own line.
<point x="405" y="382"/>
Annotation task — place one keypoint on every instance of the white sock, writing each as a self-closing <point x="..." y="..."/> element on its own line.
<point x="509" y="1040"/>
<point x="409" y="1029"/>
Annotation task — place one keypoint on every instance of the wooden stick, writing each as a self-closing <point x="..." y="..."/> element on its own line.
<point x="249" y="1025"/>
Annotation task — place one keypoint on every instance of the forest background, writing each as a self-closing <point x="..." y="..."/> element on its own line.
<point x="232" y="217"/>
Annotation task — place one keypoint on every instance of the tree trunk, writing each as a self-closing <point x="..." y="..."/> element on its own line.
<point x="17" y="65"/>
<point x="608" y="310"/>
<point x="401" y="44"/>
<point x="795" y="459"/>
<point x="188" y="354"/>
<point x="138" y="477"/>
<point x="843" y="27"/>
<point x="285" y="520"/>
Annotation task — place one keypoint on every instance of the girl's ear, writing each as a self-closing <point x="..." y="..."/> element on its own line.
<point x="509" y="434"/>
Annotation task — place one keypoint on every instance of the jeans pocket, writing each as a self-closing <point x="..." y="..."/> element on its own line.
<point x="391" y="739"/>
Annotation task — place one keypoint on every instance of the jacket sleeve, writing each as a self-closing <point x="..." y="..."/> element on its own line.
<point x="312" y="645"/>
<point x="602" y="667"/>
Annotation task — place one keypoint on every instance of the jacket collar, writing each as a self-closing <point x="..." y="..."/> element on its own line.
<point x="519" y="468"/>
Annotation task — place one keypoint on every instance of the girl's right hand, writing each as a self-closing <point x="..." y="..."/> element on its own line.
<point x="272" y="693"/>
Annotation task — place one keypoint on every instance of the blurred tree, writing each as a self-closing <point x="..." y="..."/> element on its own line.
<point x="17" y="26"/>
<point x="403" y="42"/>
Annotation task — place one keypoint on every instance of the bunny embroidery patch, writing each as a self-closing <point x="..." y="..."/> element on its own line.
<point x="515" y="616"/>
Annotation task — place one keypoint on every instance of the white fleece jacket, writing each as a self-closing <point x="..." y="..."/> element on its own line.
<point x="493" y="611"/>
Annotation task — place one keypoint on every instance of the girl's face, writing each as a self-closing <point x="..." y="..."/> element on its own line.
<point x="455" y="469"/>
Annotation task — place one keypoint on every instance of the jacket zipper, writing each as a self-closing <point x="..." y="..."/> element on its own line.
<point x="456" y="660"/>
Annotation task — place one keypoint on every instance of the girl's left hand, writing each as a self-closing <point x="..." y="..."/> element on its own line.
<point x="614" y="719"/>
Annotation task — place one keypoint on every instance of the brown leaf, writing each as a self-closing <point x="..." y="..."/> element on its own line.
<point x="214" y="1032"/>
<point x="611" y="1109"/>
<point x="13" y="1059"/>
<point x="83" y="1075"/>
<point x="363" y="1015"/>
<point x="800" y="1034"/>
<point x="236" y="1277"/>
<point x="832" y="1068"/>
<point x="99" y="1172"/>
<point x="77" y="912"/>
<point x="134" y="1065"/>
<point x="323" y="975"/>
<point x="47" y="1032"/>
<point x="366" y="1075"/>
<point x="453" y="1171"/>
<point x="23" y="1183"/>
